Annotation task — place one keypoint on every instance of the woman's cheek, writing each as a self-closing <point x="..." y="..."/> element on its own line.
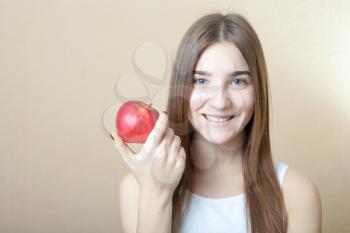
<point x="197" y="100"/>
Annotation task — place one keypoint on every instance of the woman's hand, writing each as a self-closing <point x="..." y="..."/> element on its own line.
<point x="161" y="161"/>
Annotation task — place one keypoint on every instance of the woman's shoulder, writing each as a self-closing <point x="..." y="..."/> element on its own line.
<point x="293" y="178"/>
<point x="295" y="181"/>
<point x="302" y="199"/>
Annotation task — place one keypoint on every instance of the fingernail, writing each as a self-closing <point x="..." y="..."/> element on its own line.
<point x="111" y="136"/>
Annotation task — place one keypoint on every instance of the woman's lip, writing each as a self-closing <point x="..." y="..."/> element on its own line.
<point x="218" y="123"/>
<point x="217" y="115"/>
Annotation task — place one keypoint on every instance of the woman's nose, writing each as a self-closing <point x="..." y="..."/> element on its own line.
<point x="220" y="99"/>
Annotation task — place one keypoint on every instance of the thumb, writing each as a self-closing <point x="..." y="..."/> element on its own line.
<point x="126" y="152"/>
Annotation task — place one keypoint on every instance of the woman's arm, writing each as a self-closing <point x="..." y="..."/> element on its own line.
<point x="146" y="211"/>
<point x="155" y="211"/>
<point x="303" y="202"/>
<point x="128" y="203"/>
<point x="146" y="194"/>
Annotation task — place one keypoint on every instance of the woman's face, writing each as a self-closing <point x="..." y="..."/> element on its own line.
<point x="222" y="93"/>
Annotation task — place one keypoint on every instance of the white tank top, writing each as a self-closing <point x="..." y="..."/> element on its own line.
<point x="220" y="215"/>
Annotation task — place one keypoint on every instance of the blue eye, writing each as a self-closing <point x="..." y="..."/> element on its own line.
<point x="199" y="81"/>
<point x="245" y="81"/>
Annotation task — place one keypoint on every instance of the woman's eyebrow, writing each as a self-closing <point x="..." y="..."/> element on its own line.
<point x="233" y="74"/>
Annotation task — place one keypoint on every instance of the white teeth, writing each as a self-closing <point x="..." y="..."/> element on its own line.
<point x="217" y="119"/>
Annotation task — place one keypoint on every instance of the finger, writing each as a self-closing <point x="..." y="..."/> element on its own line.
<point x="165" y="143"/>
<point x="160" y="151"/>
<point x="183" y="153"/>
<point x="175" y="148"/>
<point x="126" y="152"/>
<point x="156" y="135"/>
<point x="169" y="136"/>
<point x="175" y="145"/>
<point x="180" y="164"/>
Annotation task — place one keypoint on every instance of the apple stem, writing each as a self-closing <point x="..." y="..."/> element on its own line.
<point x="149" y="105"/>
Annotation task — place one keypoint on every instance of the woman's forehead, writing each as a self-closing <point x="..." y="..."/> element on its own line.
<point x="221" y="57"/>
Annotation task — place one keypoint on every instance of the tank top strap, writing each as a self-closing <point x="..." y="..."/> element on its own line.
<point x="281" y="169"/>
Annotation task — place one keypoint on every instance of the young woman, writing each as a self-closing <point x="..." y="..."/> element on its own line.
<point x="207" y="166"/>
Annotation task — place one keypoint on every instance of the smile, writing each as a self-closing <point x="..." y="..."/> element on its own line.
<point x="216" y="118"/>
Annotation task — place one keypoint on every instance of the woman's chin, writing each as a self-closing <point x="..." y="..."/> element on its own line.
<point x="219" y="139"/>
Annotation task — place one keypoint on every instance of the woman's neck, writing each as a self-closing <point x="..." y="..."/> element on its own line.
<point x="206" y="155"/>
<point x="217" y="166"/>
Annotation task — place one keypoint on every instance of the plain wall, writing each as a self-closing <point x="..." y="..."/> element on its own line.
<point x="65" y="67"/>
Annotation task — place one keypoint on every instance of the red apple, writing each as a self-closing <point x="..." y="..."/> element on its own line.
<point x="135" y="120"/>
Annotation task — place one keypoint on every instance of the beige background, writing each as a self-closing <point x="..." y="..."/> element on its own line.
<point x="59" y="66"/>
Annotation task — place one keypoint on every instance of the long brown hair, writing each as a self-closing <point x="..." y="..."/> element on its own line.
<point x="265" y="209"/>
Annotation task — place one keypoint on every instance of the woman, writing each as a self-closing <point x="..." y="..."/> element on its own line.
<point x="207" y="164"/>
